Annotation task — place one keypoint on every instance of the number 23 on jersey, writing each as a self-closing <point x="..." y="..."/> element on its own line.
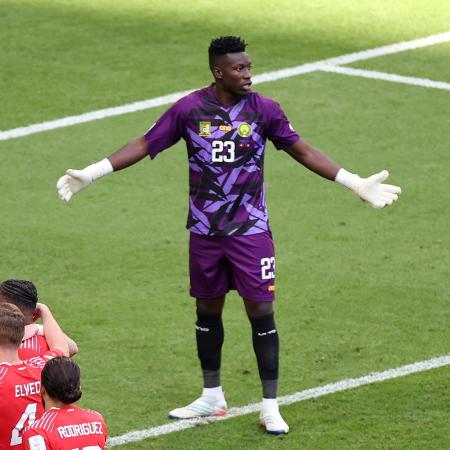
<point x="223" y="151"/>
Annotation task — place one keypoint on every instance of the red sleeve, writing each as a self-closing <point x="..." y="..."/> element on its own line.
<point x="53" y="353"/>
<point x="32" y="347"/>
<point x="39" y="361"/>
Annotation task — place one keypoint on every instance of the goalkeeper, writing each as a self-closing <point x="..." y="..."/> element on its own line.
<point x="225" y="126"/>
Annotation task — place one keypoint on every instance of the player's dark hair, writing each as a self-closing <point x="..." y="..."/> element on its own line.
<point x="61" y="379"/>
<point x="223" y="45"/>
<point x="12" y="325"/>
<point x="21" y="293"/>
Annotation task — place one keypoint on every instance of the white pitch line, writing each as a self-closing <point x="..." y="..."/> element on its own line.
<point x="392" y="77"/>
<point x="91" y="116"/>
<point x="261" y="78"/>
<point x="320" y="391"/>
<point x="391" y="49"/>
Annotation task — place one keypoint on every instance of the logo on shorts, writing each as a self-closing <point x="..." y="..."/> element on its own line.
<point x="244" y="130"/>
<point x="225" y="127"/>
<point x="271" y="288"/>
<point x="204" y="129"/>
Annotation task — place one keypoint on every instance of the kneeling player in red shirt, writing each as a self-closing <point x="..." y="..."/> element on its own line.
<point x="20" y="382"/>
<point x="64" y="426"/>
<point x="23" y="294"/>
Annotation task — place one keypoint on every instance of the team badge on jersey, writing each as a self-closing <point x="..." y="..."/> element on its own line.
<point x="204" y="129"/>
<point x="244" y="130"/>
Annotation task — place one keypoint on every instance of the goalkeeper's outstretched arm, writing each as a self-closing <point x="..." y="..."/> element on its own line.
<point x="76" y="180"/>
<point x="371" y="189"/>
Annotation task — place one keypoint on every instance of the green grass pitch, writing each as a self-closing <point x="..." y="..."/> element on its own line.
<point x="359" y="290"/>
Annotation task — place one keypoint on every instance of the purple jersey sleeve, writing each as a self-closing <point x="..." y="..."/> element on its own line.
<point x="279" y="129"/>
<point x="166" y="131"/>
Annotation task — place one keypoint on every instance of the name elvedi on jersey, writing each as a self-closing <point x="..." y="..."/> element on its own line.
<point x="23" y="390"/>
<point x="82" y="429"/>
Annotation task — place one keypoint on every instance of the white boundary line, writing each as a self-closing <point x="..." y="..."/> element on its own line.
<point x="261" y="78"/>
<point x="424" y="82"/>
<point x="320" y="391"/>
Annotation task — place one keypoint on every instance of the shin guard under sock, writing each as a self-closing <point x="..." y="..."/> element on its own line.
<point x="209" y="334"/>
<point x="266" y="347"/>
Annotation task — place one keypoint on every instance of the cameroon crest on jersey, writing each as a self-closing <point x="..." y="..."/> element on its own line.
<point x="204" y="129"/>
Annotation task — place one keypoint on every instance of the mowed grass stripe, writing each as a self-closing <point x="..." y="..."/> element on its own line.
<point x="261" y="78"/>
<point x="307" y="394"/>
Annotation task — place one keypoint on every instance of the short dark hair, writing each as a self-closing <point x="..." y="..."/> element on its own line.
<point x="21" y="293"/>
<point x="12" y="325"/>
<point x="61" y="379"/>
<point x="223" y="45"/>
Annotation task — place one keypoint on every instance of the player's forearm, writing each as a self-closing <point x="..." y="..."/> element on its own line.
<point x="76" y="180"/>
<point x="30" y="330"/>
<point x="314" y="159"/>
<point x="371" y="189"/>
<point x="73" y="347"/>
<point x="54" y="336"/>
<point x="129" y="154"/>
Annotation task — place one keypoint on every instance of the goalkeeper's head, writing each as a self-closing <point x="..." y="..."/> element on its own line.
<point x="230" y="65"/>
<point x="223" y="45"/>
<point x="21" y="293"/>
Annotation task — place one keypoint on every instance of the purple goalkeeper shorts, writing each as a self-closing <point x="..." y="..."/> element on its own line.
<point x="244" y="263"/>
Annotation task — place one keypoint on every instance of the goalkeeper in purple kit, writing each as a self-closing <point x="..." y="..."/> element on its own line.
<point x="225" y="127"/>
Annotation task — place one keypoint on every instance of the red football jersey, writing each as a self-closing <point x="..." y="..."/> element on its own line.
<point x="33" y="346"/>
<point x="66" y="428"/>
<point x="20" y="400"/>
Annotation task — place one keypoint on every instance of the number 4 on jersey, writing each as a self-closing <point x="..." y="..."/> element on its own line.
<point x="30" y="415"/>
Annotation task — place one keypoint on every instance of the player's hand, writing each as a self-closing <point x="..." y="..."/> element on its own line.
<point x="73" y="182"/>
<point x="36" y="314"/>
<point x="42" y="310"/>
<point x="373" y="191"/>
<point x="30" y="330"/>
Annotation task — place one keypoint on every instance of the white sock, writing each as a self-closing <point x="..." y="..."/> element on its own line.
<point x="270" y="405"/>
<point x="215" y="392"/>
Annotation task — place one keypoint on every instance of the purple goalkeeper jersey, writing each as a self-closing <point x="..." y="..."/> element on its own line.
<point x="225" y="146"/>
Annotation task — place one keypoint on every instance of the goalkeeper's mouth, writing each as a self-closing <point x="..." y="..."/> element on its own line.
<point x="247" y="86"/>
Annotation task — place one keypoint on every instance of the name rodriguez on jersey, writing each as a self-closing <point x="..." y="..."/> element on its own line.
<point x="82" y="429"/>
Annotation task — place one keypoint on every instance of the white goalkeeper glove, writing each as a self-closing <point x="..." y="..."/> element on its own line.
<point x="370" y="189"/>
<point x="75" y="180"/>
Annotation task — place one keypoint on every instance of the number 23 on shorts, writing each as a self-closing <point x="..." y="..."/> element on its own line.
<point x="268" y="268"/>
